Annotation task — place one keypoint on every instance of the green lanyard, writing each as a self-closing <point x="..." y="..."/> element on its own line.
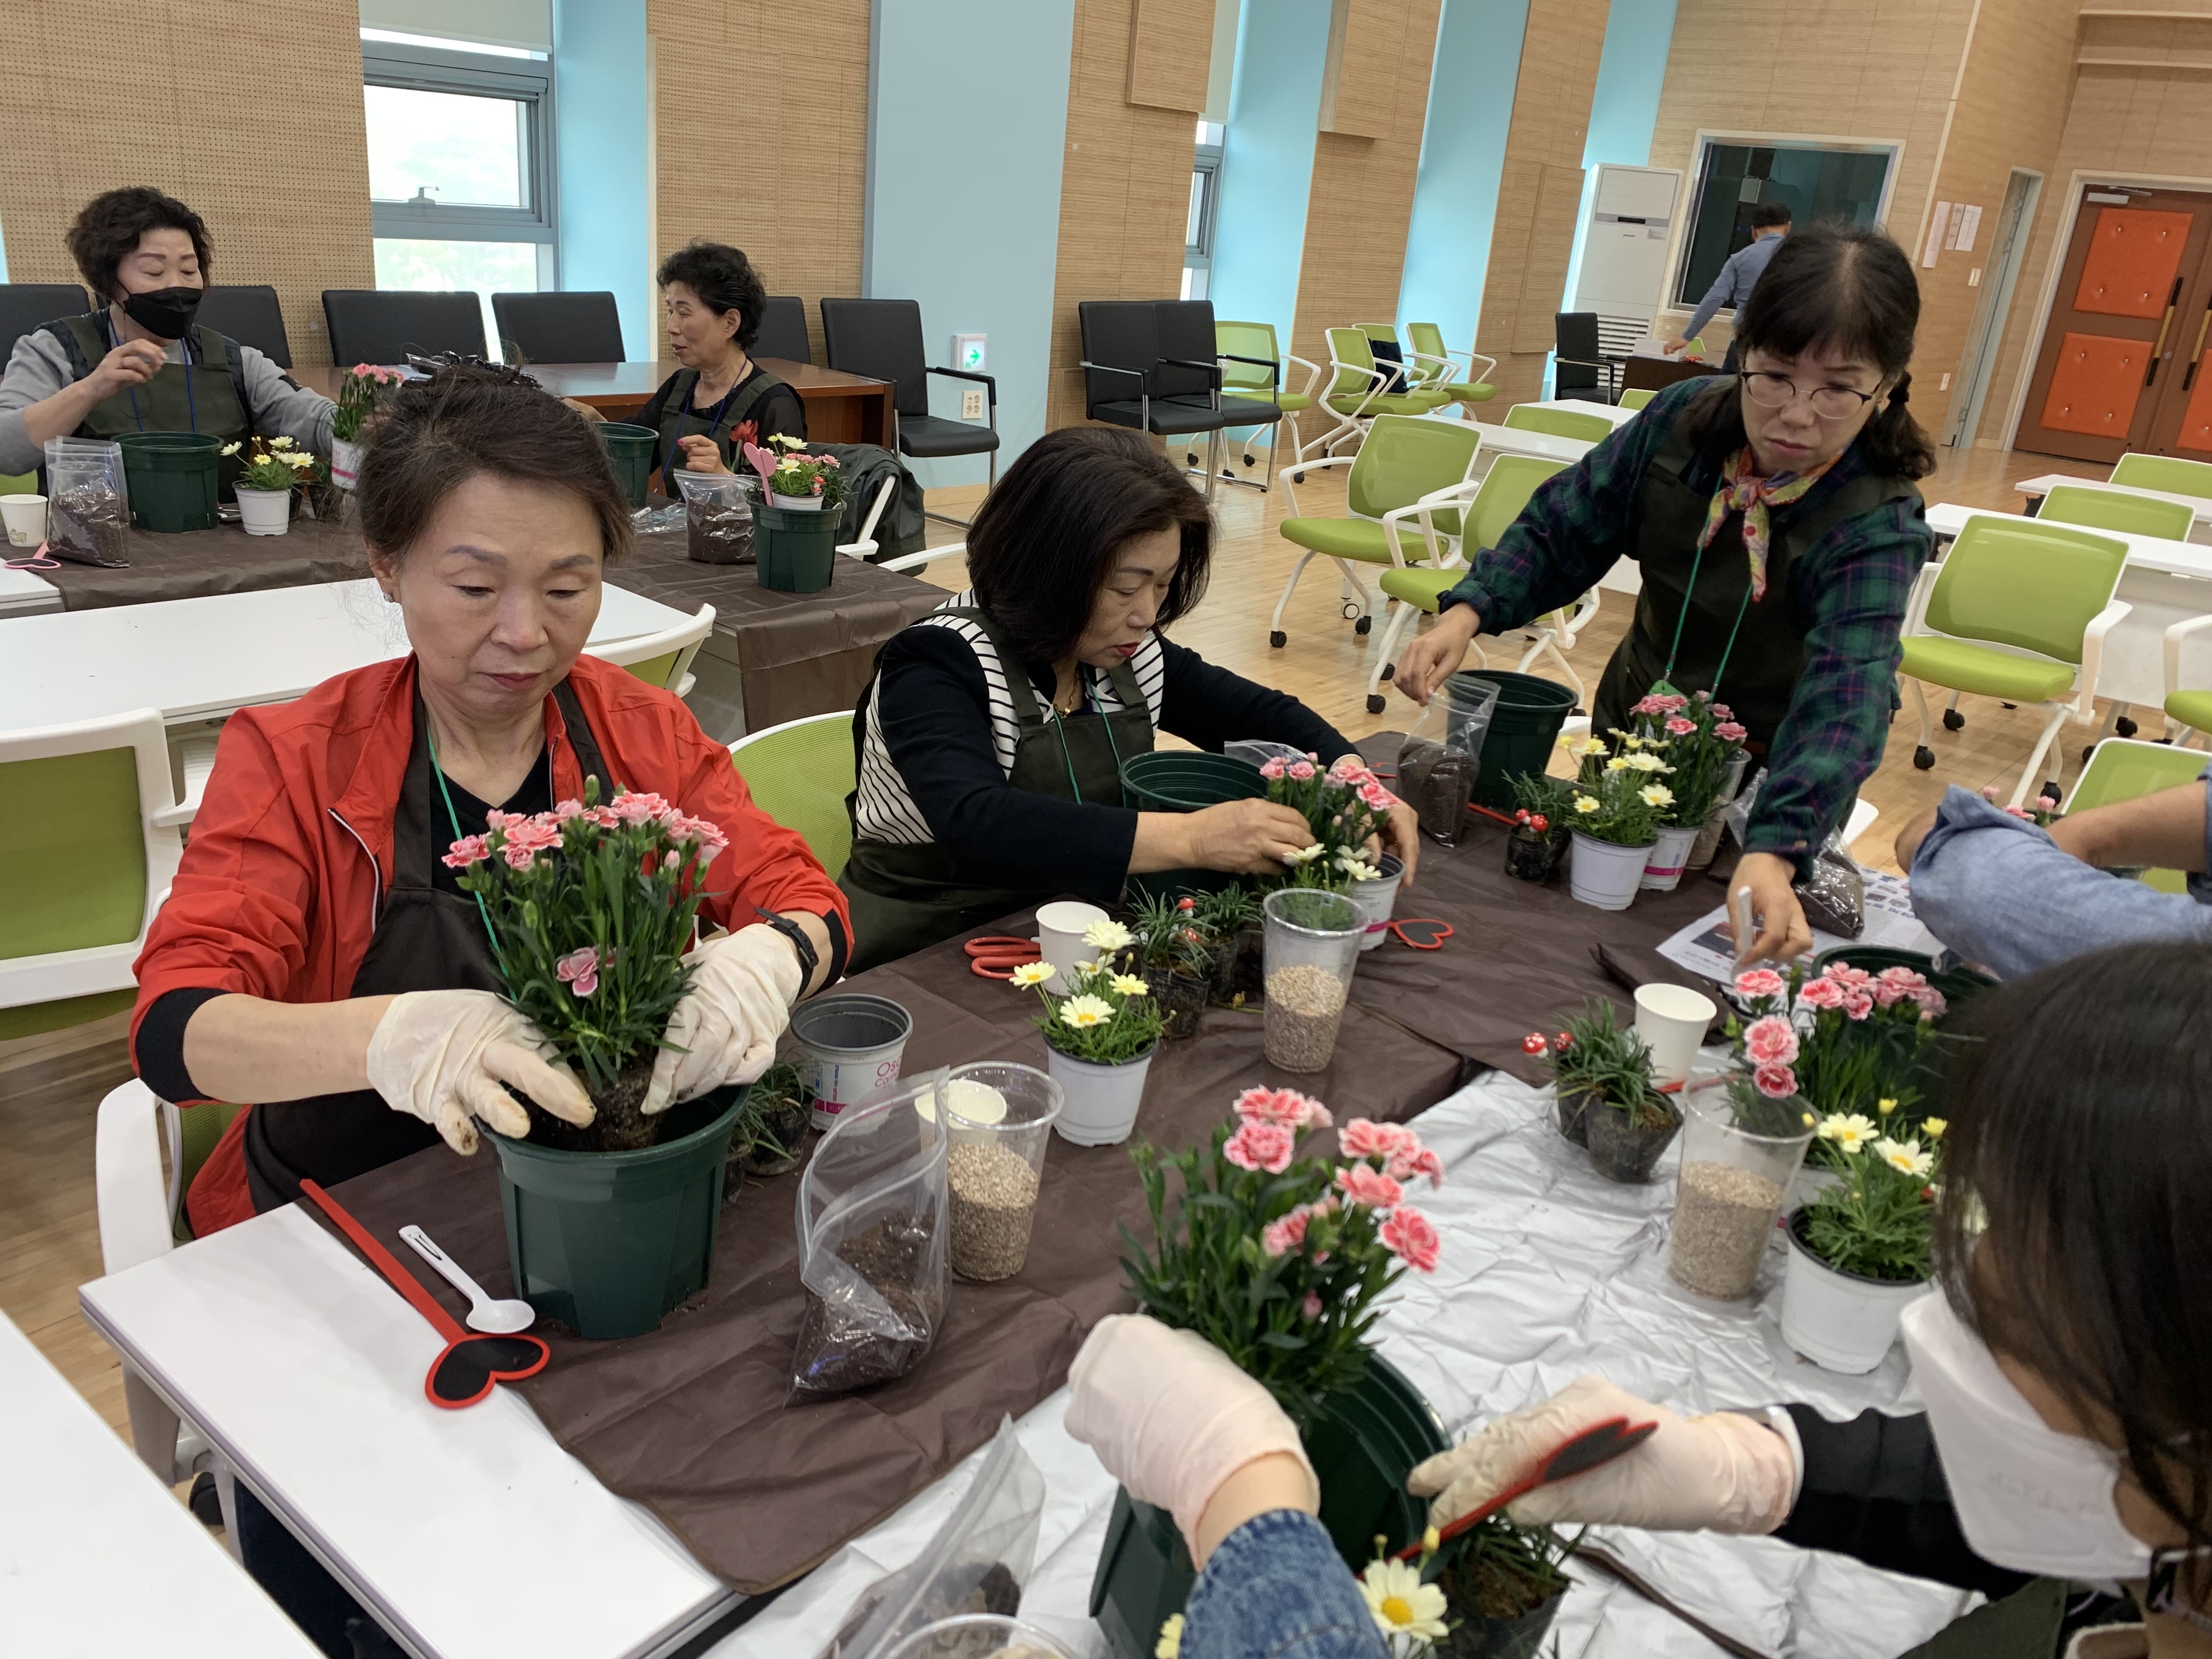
<point x="1067" y="759"/>
<point x="1666" y="674"/>
<point x="453" y="818"/>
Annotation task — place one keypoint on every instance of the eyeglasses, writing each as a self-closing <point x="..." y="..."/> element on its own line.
<point x="1830" y="402"/>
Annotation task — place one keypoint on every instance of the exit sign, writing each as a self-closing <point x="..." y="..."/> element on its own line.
<point x="967" y="353"/>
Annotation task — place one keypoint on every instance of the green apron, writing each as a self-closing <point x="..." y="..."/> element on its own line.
<point x="1749" y="656"/>
<point x="205" y="394"/>
<point x="679" y="420"/>
<point x="906" y="897"/>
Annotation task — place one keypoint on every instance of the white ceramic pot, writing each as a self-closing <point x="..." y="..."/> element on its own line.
<point x="1604" y="874"/>
<point x="345" y="463"/>
<point x="264" y="512"/>
<point x="1102" y="1100"/>
<point x="795" y="503"/>
<point x="1840" y="1321"/>
<point x="1377" y="898"/>
<point x="1665" y="859"/>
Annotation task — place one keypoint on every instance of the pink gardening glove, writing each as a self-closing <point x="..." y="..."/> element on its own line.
<point x="1170" y="1416"/>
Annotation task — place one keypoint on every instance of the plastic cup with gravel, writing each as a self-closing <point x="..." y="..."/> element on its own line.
<point x="1002" y="1117"/>
<point x="1311" y="944"/>
<point x="977" y="1635"/>
<point x="1740" y="1150"/>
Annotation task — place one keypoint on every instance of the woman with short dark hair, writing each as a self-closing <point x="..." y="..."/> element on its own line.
<point x="990" y="742"/>
<point x="140" y="363"/>
<point x="720" y="400"/>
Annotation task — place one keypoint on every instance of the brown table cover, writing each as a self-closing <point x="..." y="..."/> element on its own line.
<point x="224" y="560"/>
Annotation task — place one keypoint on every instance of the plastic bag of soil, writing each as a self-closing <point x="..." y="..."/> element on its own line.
<point x="1833" y="892"/>
<point x="1437" y="779"/>
<point x="873" y="1240"/>
<point x="88" y="504"/>
<point x="978" y="1562"/>
<point x="717" y="518"/>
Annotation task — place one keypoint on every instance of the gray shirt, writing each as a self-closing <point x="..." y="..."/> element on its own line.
<point x="277" y="406"/>
<point x="1998" y="891"/>
<point x="1733" y="286"/>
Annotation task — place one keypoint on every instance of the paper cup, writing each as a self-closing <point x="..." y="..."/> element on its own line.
<point x="1672" y="1020"/>
<point x="1061" y="927"/>
<point x="26" y="518"/>
<point x="849" y="1048"/>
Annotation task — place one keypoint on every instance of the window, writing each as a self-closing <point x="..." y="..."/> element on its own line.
<point x="1205" y="201"/>
<point x="460" y="150"/>
<point x="1818" y="180"/>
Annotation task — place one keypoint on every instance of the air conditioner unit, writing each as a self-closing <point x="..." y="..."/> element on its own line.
<point x="1624" y="269"/>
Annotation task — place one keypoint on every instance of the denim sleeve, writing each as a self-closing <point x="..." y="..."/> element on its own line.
<point x="1970" y="873"/>
<point x="1277" y="1590"/>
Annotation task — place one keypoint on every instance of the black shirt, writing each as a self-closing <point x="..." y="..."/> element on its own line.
<point x="779" y="410"/>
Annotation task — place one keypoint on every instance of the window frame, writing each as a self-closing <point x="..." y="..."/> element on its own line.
<point x="425" y="68"/>
<point x="1205" y="163"/>
<point x="1701" y="150"/>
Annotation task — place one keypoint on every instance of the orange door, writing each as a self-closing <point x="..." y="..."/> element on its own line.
<point x="2117" y="352"/>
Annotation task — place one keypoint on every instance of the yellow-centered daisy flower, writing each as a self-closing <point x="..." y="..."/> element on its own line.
<point x="1084" y="1012"/>
<point x="1032" y="973"/>
<point x="1401" y="1603"/>
<point x="1130" y="986"/>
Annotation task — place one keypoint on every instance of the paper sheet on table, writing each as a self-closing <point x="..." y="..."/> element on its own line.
<point x="1649" y="346"/>
<point x="1705" y="946"/>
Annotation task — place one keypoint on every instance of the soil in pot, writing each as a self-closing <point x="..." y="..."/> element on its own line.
<point x="1528" y="855"/>
<point x="780" y="1145"/>
<point x="1182" y="998"/>
<point x="619" y="1127"/>
<point x="835" y="1352"/>
<point x="1240" y="973"/>
<point x="1517" y="1628"/>
<point x="1623" y="1151"/>
<point x="1575" y="1107"/>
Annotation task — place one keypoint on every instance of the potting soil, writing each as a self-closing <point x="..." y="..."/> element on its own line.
<point x="716" y="533"/>
<point x="1437" y="782"/>
<point x="90" y="522"/>
<point x="968" y="1590"/>
<point x="618" y="1125"/>
<point x="840" y="1348"/>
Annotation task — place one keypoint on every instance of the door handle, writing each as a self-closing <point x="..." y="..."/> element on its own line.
<point x="2197" y="355"/>
<point x="2164" y="323"/>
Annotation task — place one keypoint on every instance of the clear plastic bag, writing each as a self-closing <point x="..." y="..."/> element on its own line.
<point x="88" y="504"/>
<point x="717" y="518"/>
<point x="1834" y="893"/>
<point x="978" y="1562"/>
<point x="873" y="1244"/>
<point x="1261" y="750"/>
<point x="1437" y="779"/>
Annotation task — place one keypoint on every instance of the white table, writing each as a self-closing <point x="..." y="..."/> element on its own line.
<point x="2201" y="531"/>
<point x="1613" y="412"/>
<point x="2164" y="581"/>
<point x="203" y="659"/>
<point x="25" y="592"/>
<point x="96" y="1557"/>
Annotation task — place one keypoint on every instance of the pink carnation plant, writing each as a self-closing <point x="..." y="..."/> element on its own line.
<point x="1345" y="808"/>
<point x="1843" y="1038"/>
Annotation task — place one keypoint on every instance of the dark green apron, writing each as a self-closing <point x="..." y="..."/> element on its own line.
<point x="205" y="394"/>
<point x="679" y="420"/>
<point x="904" y="898"/>
<point x="1757" y="671"/>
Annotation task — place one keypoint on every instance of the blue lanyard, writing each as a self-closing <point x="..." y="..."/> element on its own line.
<point x="191" y="401"/>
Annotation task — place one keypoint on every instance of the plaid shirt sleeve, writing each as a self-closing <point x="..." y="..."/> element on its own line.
<point x="1854" y="583"/>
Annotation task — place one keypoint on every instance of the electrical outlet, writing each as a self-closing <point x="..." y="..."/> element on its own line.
<point x="1974" y="278"/>
<point x="1945" y="385"/>
<point x="971" y="405"/>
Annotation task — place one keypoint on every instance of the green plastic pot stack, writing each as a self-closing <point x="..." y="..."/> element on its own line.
<point x="1180" y="780"/>
<point x="1523" y="726"/>
<point x="172" y="478"/>
<point x="795" y="547"/>
<point x="630" y="452"/>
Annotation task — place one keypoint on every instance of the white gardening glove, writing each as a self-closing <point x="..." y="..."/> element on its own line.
<point x="443" y="1055"/>
<point x="742" y="985"/>
<point x="1728" y="1472"/>
<point x="1170" y="1416"/>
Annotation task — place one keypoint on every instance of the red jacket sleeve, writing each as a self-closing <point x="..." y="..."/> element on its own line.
<point x="766" y="865"/>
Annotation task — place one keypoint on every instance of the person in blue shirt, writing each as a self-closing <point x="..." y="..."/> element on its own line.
<point x="1770" y="223"/>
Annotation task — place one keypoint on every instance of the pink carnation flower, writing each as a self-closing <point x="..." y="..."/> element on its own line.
<point x="1363" y="1137"/>
<point x="1312" y="1306"/>
<point x="1775" y="1082"/>
<point x="469" y="850"/>
<point x="1821" y="993"/>
<point x="1730" y="731"/>
<point x="1858" y="1004"/>
<point x="1349" y="769"/>
<point x="1759" y="984"/>
<point x="1850" y="978"/>
<point x="495" y="819"/>
<point x="1681" y="728"/>
<point x="1284" y="1106"/>
<point x="567" y="810"/>
<point x="1409" y="1236"/>
<point x="1649" y="706"/>
<point x="1260" y="1146"/>
<point x="1770" y="1041"/>
<point x="1932" y="1004"/>
<point x="1406" y="1163"/>
<point x="1378" y="798"/>
<point x="1722" y="712"/>
<point x="1272" y="768"/>
<point x="525" y="839"/>
<point x="639" y="808"/>
<point x="1894" y="985"/>
<point x="1281" y="1236"/>
<point x="1302" y="771"/>
<point x="580" y="970"/>
<point x="1372" y="1187"/>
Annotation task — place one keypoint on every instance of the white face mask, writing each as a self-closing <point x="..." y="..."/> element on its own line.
<point x="2028" y="1496"/>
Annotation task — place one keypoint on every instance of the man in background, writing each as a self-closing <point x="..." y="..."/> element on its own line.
<point x="1770" y="223"/>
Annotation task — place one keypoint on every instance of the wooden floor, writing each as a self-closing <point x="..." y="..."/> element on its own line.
<point x="51" y="1086"/>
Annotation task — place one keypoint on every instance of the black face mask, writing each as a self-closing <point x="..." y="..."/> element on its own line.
<point x="167" y="311"/>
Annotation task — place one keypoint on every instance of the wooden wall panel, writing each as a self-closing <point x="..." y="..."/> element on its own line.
<point x="1170" y="53"/>
<point x="760" y="138"/>
<point x="1362" y="81"/>
<point x="1540" y="188"/>
<point x="268" y="145"/>
<point x="1124" y="190"/>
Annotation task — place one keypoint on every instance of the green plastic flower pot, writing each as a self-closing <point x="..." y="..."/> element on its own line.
<point x="173" y="478"/>
<point x="1184" y="781"/>
<point x="797" y="549"/>
<point x="609" y="1243"/>
<point x="629" y="453"/>
<point x="1363" y="1446"/>
<point x="1523" y="726"/>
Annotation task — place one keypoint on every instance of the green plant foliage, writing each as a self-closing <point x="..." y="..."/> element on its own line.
<point x="1604" y="1056"/>
<point x="1108" y="1016"/>
<point x="1169" y="936"/>
<point x="1878" y="1220"/>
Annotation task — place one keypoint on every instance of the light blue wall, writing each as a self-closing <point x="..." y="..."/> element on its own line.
<point x="1478" y="59"/>
<point x="1625" y="107"/>
<point x="967" y="127"/>
<point x="601" y="120"/>
<point x="1266" y="163"/>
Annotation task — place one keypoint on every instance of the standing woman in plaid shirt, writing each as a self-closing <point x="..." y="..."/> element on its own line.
<point x="1775" y="517"/>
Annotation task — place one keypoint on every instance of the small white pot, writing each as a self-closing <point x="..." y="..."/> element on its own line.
<point x="1664" y="860"/>
<point x="1840" y="1321"/>
<point x="264" y="512"/>
<point x="1377" y="898"/>
<point x="345" y="463"/>
<point x="1604" y="874"/>
<point x="795" y="503"/>
<point x="1102" y="1100"/>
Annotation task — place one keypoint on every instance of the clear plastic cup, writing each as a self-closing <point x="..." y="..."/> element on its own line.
<point x="1312" y="945"/>
<point x="1740" y="1152"/>
<point x="1001" y="1115"/>
<point x="979" y="1636"/>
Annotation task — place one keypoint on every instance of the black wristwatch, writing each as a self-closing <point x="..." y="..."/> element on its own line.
<point x="808" y="962"/>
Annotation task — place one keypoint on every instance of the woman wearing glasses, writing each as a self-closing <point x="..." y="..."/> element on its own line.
<point x="1778" y="529"/>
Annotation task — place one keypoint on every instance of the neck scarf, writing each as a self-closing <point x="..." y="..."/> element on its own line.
<point x="1742" y="490"/>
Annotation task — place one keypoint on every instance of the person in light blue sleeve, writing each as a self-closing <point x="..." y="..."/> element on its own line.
<point x="1770" y="223"/>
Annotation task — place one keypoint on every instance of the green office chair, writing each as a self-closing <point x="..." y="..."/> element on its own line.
<point x="2169" y="473"/>
<point x="1401" y="464"/>
<point x="1355" y="394"/>
<point x="662" y="659"/>
<point x="1440" y="370"/>
<point x="1636" y="396"/>
<point x="1417" y="590"/>
<point x="1558" y="423"/>
<point x="2188" y="709"/>
<point x="1252" y="367"/>
<point x="2018" y="610"/>
<point x="2113" y="509"/>
<point x="2121" y="770"/>
<point x="799" y="774"/>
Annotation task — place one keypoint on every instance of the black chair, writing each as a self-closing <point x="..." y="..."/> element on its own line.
<point x="783" y="330"/>
<point x="1581" y="367"/>
<point x="581" y="327"/>
<point x="382" y="325"/>
<point x="1187" y="340"/>
<point x="24" y="306"/>
<point x="250" y="314"/>
<point x="882" y="340"/>
<point x="1128" y="380"/>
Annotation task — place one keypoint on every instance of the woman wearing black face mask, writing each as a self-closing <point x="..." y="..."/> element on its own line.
<point x="141" y="364"/>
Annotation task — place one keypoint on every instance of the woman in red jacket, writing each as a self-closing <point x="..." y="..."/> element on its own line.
<point x="316" y="957"/>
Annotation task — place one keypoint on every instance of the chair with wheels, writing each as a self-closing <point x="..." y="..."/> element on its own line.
<point x="1452" y="373"/>
<point x="2174" y="474"/>
<point x="1558" y="423"/>
<point x="2105" y="509"/>
<point x="2018" y="610"/>
<point x="377" y="326"/>
<point x="783" y="330"/>
<point x="1417" y="590"/>
<point x="1189" y="346"/>
<point x="250" y="314"/>
<point x="579" y="326"/>
<point x="2121" y="770"/>
<point x="662" y="659"/>
<point x="799" y="774"/>
<point x="1580" y="366"/>
<point x="1358" y="391"/>
<point x="2188" y="709"/>
<point x="1252" y="368"/>
<point x="882" y="340"/>
<point x="1402" y="462"/>
<point x="1128" y="380"/>
<point x="1636" y="396"/>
